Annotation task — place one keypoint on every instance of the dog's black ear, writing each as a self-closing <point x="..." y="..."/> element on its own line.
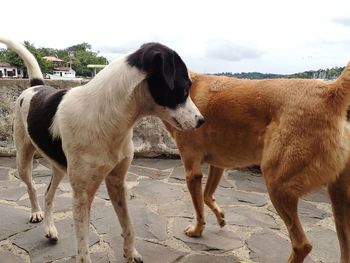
<point x="157" y="61"/>
<point x="161" y="65"/>
<point x="165" y="66"/>
<point x="166" y="74"/>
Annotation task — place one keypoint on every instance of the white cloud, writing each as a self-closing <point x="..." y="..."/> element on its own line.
<point x="210" y="35"/>
<point x="231" y="52"/>
<point x="345" y="21"/>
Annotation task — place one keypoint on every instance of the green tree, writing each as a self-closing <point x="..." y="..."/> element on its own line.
<point x="11" y="57"/>
<point x="78" y="56"/>
<point x="82" y="55"/>
<point x="46" y="66"/>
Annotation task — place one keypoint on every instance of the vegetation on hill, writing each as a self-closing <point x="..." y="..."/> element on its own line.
<point x="329" y="74"/>
<point x="79" y="56"/>
<point x="11" y="57"/>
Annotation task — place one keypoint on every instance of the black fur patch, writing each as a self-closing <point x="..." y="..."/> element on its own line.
<point x="36" y="82"/>
<point x="167" y="74"/>
<point x="43" y="107"/>
<point x="48" y="187"/>
<point x="21" y="102"/>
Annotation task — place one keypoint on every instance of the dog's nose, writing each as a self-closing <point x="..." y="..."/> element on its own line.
<point x="200" y="121"/>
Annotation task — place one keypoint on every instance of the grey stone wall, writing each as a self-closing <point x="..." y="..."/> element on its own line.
<point x="150" y="137"/>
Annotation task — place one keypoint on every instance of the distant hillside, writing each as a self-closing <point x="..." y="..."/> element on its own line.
<point x="328" y="74"/>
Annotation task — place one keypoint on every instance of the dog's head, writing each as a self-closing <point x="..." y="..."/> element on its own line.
<point x="168" y="83"/>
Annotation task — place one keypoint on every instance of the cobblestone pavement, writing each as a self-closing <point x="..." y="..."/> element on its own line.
<point x="161" y="208"/>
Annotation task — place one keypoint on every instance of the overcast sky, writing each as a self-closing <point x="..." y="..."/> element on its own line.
<point x="211" y="36"/>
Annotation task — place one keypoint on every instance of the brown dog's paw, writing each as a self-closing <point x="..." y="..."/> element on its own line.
<point x="222" y="223"/>
<point x="194" y="231"/>
<point x="221" y="219"/>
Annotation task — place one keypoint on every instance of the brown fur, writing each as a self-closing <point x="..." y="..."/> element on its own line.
<point x="295" y="129"/>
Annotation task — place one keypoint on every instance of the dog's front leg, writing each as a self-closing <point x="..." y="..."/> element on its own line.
<point x="84" y="185"/>
<point x="194" y="184"/>
<point x="117" y="191"/>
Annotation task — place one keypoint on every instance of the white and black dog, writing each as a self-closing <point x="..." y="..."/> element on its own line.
<point x="86" y="131"/>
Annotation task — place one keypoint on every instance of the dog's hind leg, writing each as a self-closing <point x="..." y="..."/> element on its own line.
<point x="214" y="176"/>
<point x="340" y="197"/>
<point x="24" y="159"/>
<point x="284" y="195"/>
<point x="117" y="191"/>
<point x="50" y="229"/>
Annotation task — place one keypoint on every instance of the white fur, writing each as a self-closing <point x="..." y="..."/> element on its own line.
<point x="95" y="124"/>
<point x="179" y="117"/>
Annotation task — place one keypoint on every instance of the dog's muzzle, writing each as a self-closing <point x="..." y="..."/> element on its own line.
<point x="199" y="120"/>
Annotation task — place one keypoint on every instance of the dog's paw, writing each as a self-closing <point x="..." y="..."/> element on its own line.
<point x="51" y="233"/>
<point x="36" y="217"/>
<point x="83" y="258"/>
<point x="193" y="231"/>
<point x="222" y="223"/>
<point x="135" y="257"/>
<point x="221" y="220"/>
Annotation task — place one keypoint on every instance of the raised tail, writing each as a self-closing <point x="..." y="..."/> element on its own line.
<point x="339" y="91"/>
<point x="34" y="71"/>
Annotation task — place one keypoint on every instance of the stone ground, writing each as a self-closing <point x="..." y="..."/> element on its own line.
<point x="161" y="208"/>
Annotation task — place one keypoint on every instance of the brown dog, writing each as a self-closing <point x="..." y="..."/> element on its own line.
<point x="295" y="129"/>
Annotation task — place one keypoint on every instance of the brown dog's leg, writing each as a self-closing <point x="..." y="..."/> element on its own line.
<point x="285" y="200"/>
<point x="214" y="177"/>
<point x="194" y="183"/>
<point x="340" y="196"/>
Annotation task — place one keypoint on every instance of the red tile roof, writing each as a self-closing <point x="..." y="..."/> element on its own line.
<point x="52" y="59"/>
<point x="6" y="65"/>
<point x="63" y="69"/>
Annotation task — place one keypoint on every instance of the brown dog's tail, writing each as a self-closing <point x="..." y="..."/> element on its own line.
<point x="339" y="91"/>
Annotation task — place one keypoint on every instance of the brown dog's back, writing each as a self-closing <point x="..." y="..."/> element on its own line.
<point x="242" y="115"/>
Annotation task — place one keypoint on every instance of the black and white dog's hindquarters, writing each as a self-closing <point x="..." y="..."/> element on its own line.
<point x="24" y="147"/>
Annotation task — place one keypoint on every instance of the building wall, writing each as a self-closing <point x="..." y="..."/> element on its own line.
<point x="67" y="74"/>
<point x="10" y="72"/>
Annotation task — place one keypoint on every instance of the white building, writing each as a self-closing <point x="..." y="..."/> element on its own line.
<point x="63" y="72"/>
<point x="60" y="71"/>
<point x="9" y="71"/>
